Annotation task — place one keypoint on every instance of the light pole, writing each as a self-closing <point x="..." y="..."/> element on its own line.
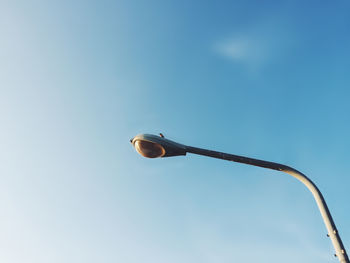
<point x="152" y="146"/>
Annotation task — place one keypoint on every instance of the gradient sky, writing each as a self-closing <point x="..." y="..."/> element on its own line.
<point x="264" y="79"/>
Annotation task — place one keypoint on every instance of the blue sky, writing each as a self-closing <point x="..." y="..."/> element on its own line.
<point x="78" y="79"/>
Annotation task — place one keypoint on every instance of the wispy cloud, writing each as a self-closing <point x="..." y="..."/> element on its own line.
<point x="257" y="45"/>
<point x="243" y="49"/>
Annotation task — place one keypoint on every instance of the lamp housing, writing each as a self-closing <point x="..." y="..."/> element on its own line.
<point x="153" y="146"/>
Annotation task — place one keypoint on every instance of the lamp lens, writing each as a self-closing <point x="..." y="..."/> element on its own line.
<point x="149" y="149"/>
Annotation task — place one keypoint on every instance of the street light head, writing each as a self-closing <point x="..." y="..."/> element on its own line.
<point x="149" y="149"/>
<point x="153" y="146"/>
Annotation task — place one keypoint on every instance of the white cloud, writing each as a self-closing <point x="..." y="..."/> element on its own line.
<point x="244" y="49"/>
<point x="258" y="45"/>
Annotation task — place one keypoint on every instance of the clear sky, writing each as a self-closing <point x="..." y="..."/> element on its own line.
<point x="264" y="79"/>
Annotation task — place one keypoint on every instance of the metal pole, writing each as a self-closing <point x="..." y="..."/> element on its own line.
<point x="321" y="203"/>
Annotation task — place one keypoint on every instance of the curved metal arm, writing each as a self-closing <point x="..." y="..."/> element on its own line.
<point x="321" y="203"/>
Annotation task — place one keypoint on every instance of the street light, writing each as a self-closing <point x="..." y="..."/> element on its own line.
<point x="153" y="146"/>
